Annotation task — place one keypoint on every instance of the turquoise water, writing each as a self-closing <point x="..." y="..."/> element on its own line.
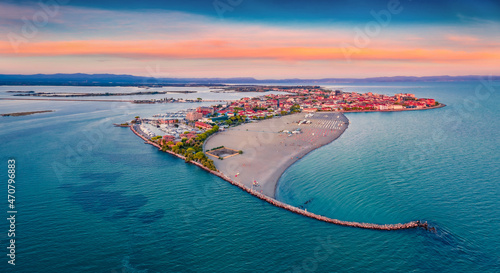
<point x="94" y="198"/>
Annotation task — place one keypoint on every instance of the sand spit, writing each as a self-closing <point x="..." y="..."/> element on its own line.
<point x="271" y="146"/>
<point x="256" y="193"/>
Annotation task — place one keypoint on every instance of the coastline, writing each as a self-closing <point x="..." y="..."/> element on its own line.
<point x="274" y="202"/>
<point x="267" y="153"/>
<point x="441" y="105"/>
<point x="298" y="159"/>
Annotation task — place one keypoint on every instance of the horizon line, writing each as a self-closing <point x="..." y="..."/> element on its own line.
<point x="251" y="77"/>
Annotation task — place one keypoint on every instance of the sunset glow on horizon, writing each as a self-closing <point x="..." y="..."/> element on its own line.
<point x="178" y="43"/>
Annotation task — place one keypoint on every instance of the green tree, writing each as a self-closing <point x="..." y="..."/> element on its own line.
<point x="199" y="156"/>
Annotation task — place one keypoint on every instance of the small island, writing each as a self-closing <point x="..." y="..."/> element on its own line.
<point x="70" y="95"/>
<point x="17" y="114"/>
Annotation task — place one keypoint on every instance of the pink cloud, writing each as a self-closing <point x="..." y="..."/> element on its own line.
<point x="222" y="49"/>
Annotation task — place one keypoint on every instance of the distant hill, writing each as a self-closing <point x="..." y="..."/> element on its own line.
<point x="129" y="80"/>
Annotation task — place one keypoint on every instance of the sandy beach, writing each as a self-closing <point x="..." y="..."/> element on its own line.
<point x="268" y="151"/>
<point x="326" y="126"/>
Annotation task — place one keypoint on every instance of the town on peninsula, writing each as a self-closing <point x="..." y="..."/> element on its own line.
<point x="250" y="142"/>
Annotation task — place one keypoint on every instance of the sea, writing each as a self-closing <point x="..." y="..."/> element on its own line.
<point x="90" y="197"/>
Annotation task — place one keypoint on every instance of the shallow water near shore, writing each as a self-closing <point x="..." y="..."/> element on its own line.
<point x="94" y="198"/>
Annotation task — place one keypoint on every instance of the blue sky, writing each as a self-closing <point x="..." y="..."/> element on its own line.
<point x="283" y="11"/>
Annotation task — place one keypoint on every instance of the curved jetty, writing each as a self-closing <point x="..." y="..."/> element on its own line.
<point x="255" y="190"/>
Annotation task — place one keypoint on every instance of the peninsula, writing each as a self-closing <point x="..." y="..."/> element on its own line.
<point x="252" y="141"/>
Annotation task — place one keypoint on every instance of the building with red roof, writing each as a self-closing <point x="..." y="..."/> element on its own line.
<point x="203" y="125"/>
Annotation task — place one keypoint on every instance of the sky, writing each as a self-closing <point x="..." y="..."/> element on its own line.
<point x="264" y="39"/>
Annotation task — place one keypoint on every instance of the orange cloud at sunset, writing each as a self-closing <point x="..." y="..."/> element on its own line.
<point x="229" y="50"/>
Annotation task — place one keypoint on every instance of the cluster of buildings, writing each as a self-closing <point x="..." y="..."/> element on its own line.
<point x="307" y="100"/>
<point x="173" y="129"/>
<point x="199" y="113"/>
<point x="375" y="102"/>
<point x="326" y="100"/>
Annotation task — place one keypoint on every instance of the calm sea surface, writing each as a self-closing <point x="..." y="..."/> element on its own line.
<point x="94" y="198"/>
